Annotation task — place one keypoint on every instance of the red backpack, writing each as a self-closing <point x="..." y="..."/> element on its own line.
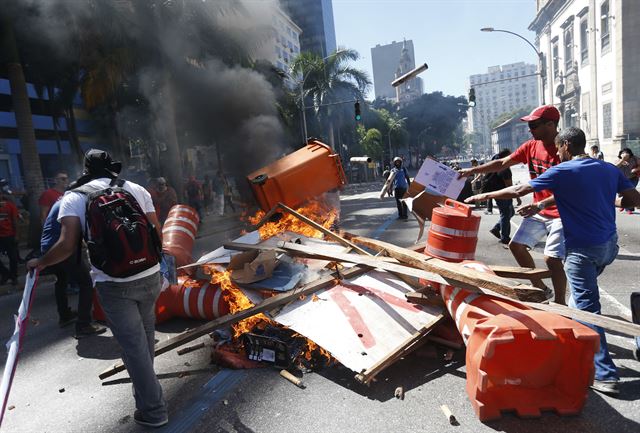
<point x="122" y="241"/>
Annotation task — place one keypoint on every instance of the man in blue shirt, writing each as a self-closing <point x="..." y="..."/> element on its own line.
<point x="400" y="186"/>
<point x="585" y="191"/>
<point x="78" y="270"/>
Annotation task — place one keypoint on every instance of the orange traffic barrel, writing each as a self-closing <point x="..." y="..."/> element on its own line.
<point x="179" y="233"/>
<point x="298" y="177"/>
<point x="519" y="359"/>
<point x="453" y="234"/>
<point x="195" y="299"/>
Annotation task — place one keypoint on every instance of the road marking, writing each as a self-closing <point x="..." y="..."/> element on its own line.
<point x="385" y="225"/>
<point x="210" y="394"/>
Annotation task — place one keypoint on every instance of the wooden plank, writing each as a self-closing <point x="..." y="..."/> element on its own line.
<point x="230" y="319"/>
<point x="403" y="349"/>
<point x="455" y="271"/>
<point x="608" y="323"/>
<point x="424" y="298"/>
<point x="265" y="218"/>
<point x="520" y="273"/>
<point x="457" y="275"/>
<point x="325" y="231"/>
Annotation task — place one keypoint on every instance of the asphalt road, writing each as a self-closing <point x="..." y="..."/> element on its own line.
<point x="56" y="388"/>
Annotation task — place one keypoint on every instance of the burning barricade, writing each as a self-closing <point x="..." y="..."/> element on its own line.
<point x="297" y="294"/>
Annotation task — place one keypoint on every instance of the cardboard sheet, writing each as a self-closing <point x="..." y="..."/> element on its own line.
<point x="439" y="178"/>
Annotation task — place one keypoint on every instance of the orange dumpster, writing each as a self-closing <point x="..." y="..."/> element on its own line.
<point x="297" y="177"/>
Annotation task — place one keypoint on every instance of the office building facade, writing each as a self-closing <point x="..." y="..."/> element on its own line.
<point x="315" y="19"/>
<point x="592" y="68"/>
<point x="389" y="60"/>
<point x="503" y="89"/>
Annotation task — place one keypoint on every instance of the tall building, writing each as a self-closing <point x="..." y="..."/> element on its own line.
<point x="386" y="59"/>
<point x="410" y="89"/>
<point x="503" y="89"/>
<point x="315" y="18"/>
<point x="592" y="68"/>
<point x="285" y="42"/>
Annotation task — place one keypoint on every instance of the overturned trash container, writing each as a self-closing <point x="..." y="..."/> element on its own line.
<point x="520" y="359"/>
<point x="293" y="179"/>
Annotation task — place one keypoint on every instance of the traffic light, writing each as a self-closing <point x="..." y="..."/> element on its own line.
<point x="472" y="97"/>
<point x="357" y="108"/>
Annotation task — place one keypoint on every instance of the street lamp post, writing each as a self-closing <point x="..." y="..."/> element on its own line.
<point x="302" y="107"/>
<point x="541" y="68"/>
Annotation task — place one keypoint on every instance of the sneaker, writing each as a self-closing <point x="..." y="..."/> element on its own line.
<point x="139" y="419"/>
<point x="488" y="212"/>
<point x="88" y="330"/>
<point x="608" y="387"/>
<point x="68" y="318"/>
<point x="495" y="231"/>
<point x="505" y="241"/>
<point x="548" y="294"/>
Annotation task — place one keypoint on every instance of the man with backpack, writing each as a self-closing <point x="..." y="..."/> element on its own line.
<point x="123" y="236"/>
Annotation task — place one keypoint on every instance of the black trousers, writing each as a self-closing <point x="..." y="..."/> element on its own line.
<point x="72" y="270"/>
<point x="10" y="246"/>
<point x="398" y="193"/>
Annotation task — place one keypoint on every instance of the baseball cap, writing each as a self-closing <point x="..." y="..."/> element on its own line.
<point x="98" y="162"/>
<point x="547" y="112"/>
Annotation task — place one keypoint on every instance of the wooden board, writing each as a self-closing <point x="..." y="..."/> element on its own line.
<point x="454" y="271"/>
<point x="520" y="273"/>
<point x="608" y="323"/>
<point x="230" y="319"/>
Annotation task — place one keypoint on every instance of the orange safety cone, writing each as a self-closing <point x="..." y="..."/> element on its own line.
<point x="179" y="233"/>
<point x="453" y="233"/>
<point x="519" y="358"/>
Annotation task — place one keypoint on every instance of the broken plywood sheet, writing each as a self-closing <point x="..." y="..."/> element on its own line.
<point x="360" y="321"/>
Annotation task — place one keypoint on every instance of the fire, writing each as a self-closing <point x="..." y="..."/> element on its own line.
<point x="237" y="302"/>
<point x="318" y="211"/>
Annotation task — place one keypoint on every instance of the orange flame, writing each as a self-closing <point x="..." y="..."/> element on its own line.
<point x="318" y="211"/>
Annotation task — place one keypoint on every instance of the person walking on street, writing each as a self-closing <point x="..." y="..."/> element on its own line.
<point x="52" y="195"/>
<point x="164" y="198"/>
<point x="589" y="223"/>
<point x="630" y="168"/>
<point x="503" y="179"/>
<point x="77" y="268"/>
<point x="539" y="154"/>
<point x="401" y="183"/>
<point x="193" y="191"/>
<point x="228" y="193"/>
<point x="8" y="231"/>
<point x="207" y="193"/>
<point x="595" y="152"/>
<point x="127" y="288"/>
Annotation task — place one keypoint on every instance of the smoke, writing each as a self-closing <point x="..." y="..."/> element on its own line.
<point x="189" y="63"/>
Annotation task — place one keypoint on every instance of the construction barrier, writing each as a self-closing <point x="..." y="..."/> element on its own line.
<point x="518" y="358"/>
<point x="453" y="234"/>
<point x="179" y="233"/>
<point x="196" y="299"/>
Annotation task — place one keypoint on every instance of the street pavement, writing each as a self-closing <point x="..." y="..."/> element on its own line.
<point x="56" y="388"/>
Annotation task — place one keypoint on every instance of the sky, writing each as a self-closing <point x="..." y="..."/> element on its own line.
<point x="446" y="35"/>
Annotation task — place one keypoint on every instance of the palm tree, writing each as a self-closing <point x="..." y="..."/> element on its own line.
<point x="329" y="81"/>
<point x="33" y="182"/>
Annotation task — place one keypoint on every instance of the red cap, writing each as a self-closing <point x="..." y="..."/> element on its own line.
<point x="548" y="112"/>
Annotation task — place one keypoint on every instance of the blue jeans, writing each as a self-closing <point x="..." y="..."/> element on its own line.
<point x="582" y="266"/>
<point x="504" y="224"/>
<point x="130" y="311"/>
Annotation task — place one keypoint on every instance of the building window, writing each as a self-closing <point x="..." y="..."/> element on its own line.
<point x="584" y="40"/>
<point x="604" y="25"/>
<point x="568" y="48"/>
<point x="606" y="120"/>
<point x="556" y="58"/>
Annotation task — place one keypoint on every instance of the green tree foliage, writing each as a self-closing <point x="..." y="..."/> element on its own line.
<point x="372" y="144"/>
<point x="433" y="121"/>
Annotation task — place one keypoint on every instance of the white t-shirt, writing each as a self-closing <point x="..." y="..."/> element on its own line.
<point x="75" y="204"/>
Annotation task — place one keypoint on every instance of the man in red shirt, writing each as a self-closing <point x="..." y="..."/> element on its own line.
<point x="50" y="196"/>
<point x="539" y="154"/>
<point x="8" y="225"/>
